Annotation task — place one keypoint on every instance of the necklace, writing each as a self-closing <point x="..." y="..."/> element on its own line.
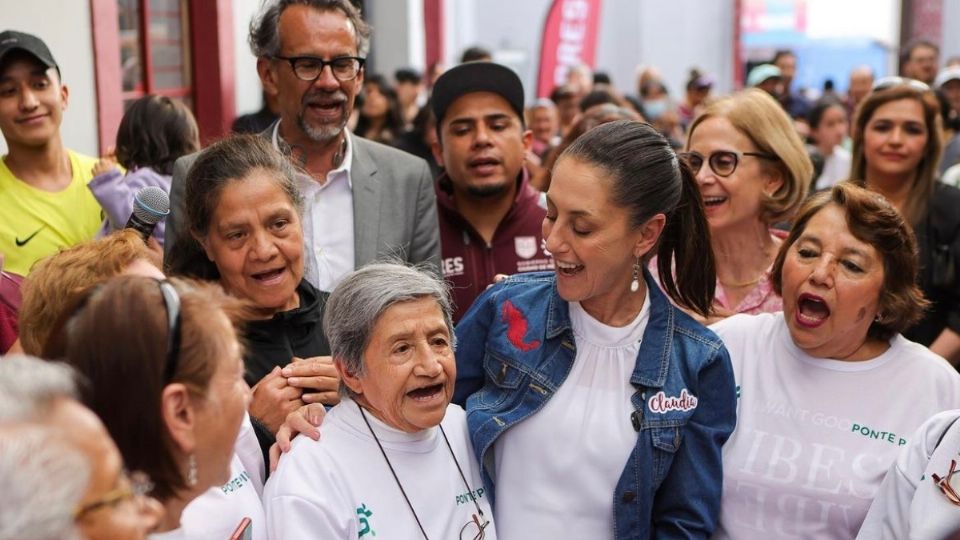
<point x="404" y="493"/>
<point x="742" y="283"/>
<point x="299" y="154"/>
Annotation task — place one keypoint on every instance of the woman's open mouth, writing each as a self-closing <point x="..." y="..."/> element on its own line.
<point x="811" y="311"/>
<point x="269" y="277"/>
<point x="426" y="393"/>
<point x="713" y="201"/>
<point x="567" y="269"/>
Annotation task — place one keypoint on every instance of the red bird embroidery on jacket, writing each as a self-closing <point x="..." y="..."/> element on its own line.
<point x="517" y="327"/>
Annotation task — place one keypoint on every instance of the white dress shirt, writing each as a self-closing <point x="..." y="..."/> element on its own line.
<point x="328" y="230"/>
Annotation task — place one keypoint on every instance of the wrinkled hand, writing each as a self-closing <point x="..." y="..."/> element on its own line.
<point x="273" y="399"/>
<point x="304" y="420"/>
<point x="104" y="164"/>
<point x="317" y="376"/>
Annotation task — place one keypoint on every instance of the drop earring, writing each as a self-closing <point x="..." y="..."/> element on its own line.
<point x="191" y="471"/>
<point x="635" y="284"/>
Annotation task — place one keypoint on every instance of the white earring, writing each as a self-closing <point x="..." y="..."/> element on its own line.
<point x="191" y="471"/>
<point x="637" y="269"/>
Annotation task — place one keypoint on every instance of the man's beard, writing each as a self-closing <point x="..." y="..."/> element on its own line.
<point x="489" y="190"/>
<point x="324" y="132"/>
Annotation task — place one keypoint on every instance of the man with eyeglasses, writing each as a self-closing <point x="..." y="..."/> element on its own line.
<point x="362" y="201"/>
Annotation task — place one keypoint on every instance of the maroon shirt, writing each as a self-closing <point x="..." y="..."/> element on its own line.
<point x="469" y="264"/>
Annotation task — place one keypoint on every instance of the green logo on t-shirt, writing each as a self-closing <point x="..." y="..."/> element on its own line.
<point x="364" y="514"/>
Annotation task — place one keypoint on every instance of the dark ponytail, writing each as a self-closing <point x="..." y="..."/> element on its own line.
<point x="649" y="179"/>
<point x="685" y="246"/>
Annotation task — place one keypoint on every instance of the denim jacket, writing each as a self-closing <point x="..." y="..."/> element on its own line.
<point x="515" y="347"/>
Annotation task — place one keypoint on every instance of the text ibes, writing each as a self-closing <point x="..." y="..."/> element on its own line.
<point x="831" y="476"/>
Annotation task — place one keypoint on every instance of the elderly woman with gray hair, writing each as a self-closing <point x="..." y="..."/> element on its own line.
<point x="395" y="459"/>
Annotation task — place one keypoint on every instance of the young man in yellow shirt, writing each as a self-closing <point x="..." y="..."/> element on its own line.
<point x="44" y="201"/>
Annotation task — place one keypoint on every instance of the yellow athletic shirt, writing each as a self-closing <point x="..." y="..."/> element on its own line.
<point x="36" y="223"/>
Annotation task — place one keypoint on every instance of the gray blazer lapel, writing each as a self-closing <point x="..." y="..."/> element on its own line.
<point x="366" y="204"/>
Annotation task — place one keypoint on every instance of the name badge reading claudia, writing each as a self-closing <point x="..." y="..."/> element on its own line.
<point x="661" y="403"/>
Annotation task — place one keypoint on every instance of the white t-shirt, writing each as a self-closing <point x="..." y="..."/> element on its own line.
<point x="341" y="487"/>
<point x="836" y="168"/>
<point x="557" y="470"/>
<point x="815" y="437"/>
<point x="909" y="503"/>
<point x="216" y="513"/>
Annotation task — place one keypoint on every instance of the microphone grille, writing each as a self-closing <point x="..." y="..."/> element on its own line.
<point x="151" y="204"/>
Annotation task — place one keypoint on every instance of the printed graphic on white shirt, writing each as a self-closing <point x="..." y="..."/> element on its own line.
<point x="815" y="437"/>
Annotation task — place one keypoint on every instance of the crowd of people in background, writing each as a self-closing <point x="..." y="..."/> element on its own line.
<point x="424" y="306"/>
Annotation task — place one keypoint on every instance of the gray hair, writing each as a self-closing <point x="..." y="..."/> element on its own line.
<point x="28" y="386"/>
<point x="43" y="479"/>
<point x="364" y="295"/>
<point x="264" y="35"/>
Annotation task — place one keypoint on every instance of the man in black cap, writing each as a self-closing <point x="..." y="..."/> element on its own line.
<point x="43" y="186"/>
<point x="490" y="217"/>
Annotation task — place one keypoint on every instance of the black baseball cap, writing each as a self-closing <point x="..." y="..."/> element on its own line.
<point x="11" y="41"/>
<point x="476" y="77"/>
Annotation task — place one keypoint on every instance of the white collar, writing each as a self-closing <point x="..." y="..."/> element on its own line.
<point x="345" y="166"/>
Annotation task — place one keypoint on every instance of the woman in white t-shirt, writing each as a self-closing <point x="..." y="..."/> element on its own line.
<point x="828" y="127"/>
<point x="829" y="390"/>
<point x="394" y="458"/>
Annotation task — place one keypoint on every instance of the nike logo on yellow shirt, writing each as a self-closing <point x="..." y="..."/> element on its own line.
<point x="21" y="243"/>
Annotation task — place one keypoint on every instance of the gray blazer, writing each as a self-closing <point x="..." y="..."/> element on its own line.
<point x="394" y="205"/>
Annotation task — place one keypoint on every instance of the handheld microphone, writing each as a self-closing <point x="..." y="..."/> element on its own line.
<point x="150" y="205"/>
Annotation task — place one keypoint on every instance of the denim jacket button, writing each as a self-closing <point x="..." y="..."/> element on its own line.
<point x="628" y="496"/>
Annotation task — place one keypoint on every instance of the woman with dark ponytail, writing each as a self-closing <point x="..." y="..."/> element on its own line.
<point x="596" y="406"/>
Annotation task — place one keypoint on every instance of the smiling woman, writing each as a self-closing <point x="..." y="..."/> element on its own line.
<point x="595" y="359"/>
<point x="753" y="172"/>
<point x="896" y="151"/>
<point x="243" y="213"/>
<point x="829" y="389"/>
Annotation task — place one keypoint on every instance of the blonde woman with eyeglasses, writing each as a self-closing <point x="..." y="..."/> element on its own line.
<point x="896" y="152"/>
<point x="753" y="172"/>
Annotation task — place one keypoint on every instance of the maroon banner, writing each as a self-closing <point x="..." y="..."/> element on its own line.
<point x="569" y="39"/>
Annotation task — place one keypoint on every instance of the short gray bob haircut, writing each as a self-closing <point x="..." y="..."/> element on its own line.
<point x="264" y="35"/>
<point x="28" y="386"/>
<point x="43" y="479"/>
<point x="357" y="303"/>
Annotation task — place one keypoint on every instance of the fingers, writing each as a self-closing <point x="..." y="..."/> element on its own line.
<point x="273" y="375"/>
<point x="311" y="367"/>
<point x="296" y="423"/>
<point x="275" y="454"/>
<point x="321" y="398"/>
<point x="326" y="383"/>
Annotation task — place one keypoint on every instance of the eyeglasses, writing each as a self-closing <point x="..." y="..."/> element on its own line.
<point x="884" y="83"/>
<point x="309" y="68"/>
<point x="944" y="484"/>
<point x="475" y="529"/>
<point x="172" y="302"/>
<point x="136" y="484"/>
<point x="722" y="162"/>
